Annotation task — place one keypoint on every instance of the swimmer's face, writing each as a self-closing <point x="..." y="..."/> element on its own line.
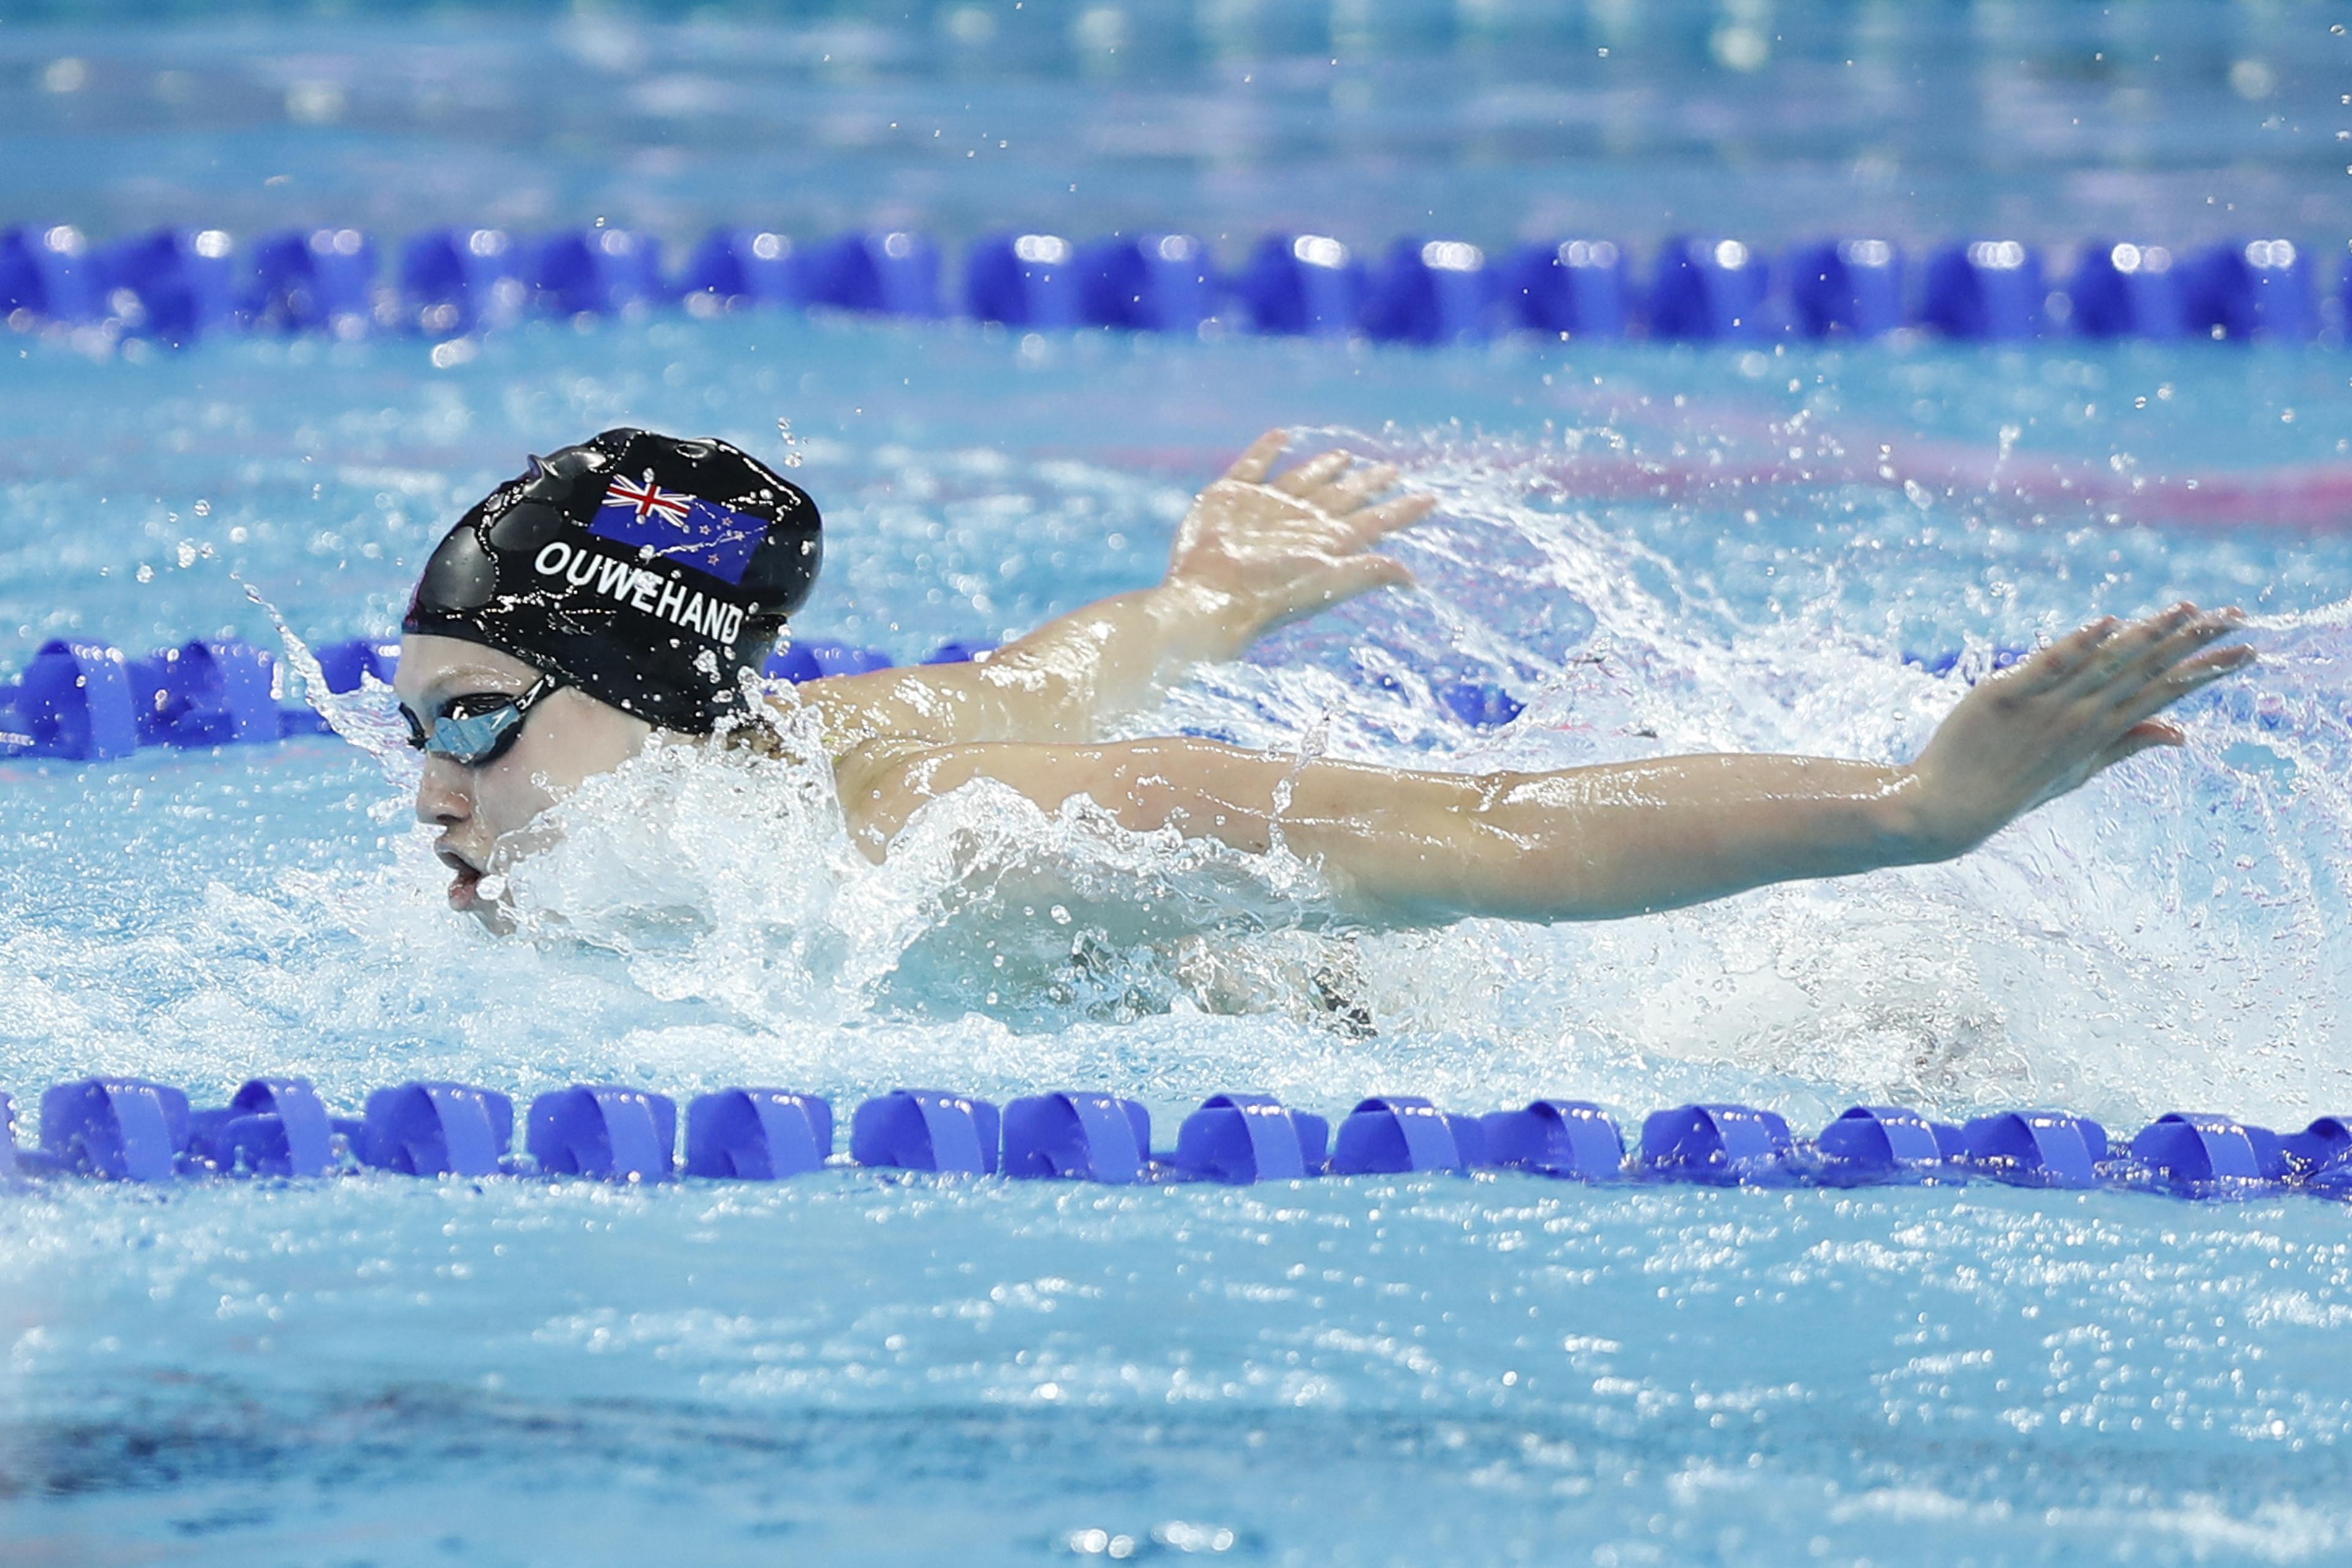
<point x="486" y="813"/>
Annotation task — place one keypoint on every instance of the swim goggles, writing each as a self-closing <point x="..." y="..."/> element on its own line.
<point x="479" y="727"/>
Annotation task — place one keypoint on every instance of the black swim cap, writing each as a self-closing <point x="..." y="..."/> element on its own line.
<point x="650" y="572"/>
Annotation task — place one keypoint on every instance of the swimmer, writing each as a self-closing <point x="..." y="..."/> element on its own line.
<point x="629" y="584"/>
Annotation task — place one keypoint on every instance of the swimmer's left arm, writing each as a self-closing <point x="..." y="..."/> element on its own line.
<point x="1413" y="848"/>
<point x="1256" y="550"/>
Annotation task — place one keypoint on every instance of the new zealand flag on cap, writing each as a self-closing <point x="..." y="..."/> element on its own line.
<point x="678" y="527"/>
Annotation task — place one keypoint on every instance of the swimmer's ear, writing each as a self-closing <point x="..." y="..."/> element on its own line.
<point x="1258" y="461"/>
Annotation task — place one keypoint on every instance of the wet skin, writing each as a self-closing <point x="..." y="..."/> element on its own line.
<point x="1401" y="846"/>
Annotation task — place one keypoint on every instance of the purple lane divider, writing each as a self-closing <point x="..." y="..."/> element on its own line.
<point x="1718" y="1144"/>
<point x="892" y="273"/>
<point x="1243" y="1138"/>
<point x="1024" y="280"/>
<point x="745" y="266"/>
<point x="1147" y="282"/>
<point x="436" y="1128"/>
<point x="1388" y="1134"/>
<point x="2198" y="1155"/>
<point x="271" y="1127"/>
<point x="1093" y="1137"/>
<point x="2323" y="1147"/>
<point x="1872" y="1143"/>
<point x="605" y="1131"/>
<point x="1568" y="288"/>
<point x="1709" y="289"/>
<point x="1851" y="288"/>
<point x="75" y="700"/>
<point x="926" y="1130"/>
<point x="757" y="1135"/>
<point x="2037" y="1148"/>
<point x="205" y="694"/>
<point x="1302" y="285"/>
<point x="1557" y="1137"/>
<point x="1986" y="289"/>
<point x="118" y="1128"/>
<point x="595" y="272"/>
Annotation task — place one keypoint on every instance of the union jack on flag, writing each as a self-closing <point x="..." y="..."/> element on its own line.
<point x="648" y="498"/>
<point x="683" y="528"/>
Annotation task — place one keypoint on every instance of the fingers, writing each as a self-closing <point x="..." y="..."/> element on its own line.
<point x="1356" y="486"/>
<point x="2186" y="638"/>
<point x="2143" y="650"/>
<point x="2130" y="648"/>
<point x="2139" y="738"/>
<point x="1258" y="458"/>
<point x="2182" y="678"/>
<point x="1376" y="522"/>
<point x="2062" y="659"/>
<point x="1361" y="574"/>
<point x="1313" y="474"/>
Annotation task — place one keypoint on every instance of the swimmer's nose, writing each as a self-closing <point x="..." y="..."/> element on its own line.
<point x="445" y="795"/>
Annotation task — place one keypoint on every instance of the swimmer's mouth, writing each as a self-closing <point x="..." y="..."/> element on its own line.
<point x="468" y="876"/>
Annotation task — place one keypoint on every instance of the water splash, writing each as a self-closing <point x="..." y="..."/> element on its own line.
<point x="2171" y="934"/>
<point x="368" y="717"/>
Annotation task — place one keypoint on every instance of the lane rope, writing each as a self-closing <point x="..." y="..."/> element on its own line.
<point x="132" y="1130"/>
<point x="175" y="286"/>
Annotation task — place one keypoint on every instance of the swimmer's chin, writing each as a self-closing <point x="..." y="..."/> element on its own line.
<point x="468" y="895"/>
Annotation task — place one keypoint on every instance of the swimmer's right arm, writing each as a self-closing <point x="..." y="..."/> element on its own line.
<point x="1412" y="847"/>
<point x="1256" y="550"/>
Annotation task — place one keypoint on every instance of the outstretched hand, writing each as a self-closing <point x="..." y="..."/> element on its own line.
<point x="2050" y="721"/>
<point x="1266" y="551"/>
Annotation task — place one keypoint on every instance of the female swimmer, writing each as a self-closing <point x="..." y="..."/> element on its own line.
<point x="630" y="584"/>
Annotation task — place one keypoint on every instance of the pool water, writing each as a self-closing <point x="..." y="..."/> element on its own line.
<point x="1658" y="549"/>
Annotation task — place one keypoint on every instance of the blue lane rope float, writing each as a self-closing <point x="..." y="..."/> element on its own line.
<point x="436" y="1129"/>
<point x="132" y="1130"/>
<point x="757" y="1135"/>
<point x="175" y="286"/>
<point x="87" y="701"/>
<point x="1239" y="1139"/>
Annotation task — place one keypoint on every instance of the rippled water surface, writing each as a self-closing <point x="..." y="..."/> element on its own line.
<point x="1656" y="549"/>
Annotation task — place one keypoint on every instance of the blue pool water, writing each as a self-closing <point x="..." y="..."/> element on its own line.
<point x="1659" y="549"/>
